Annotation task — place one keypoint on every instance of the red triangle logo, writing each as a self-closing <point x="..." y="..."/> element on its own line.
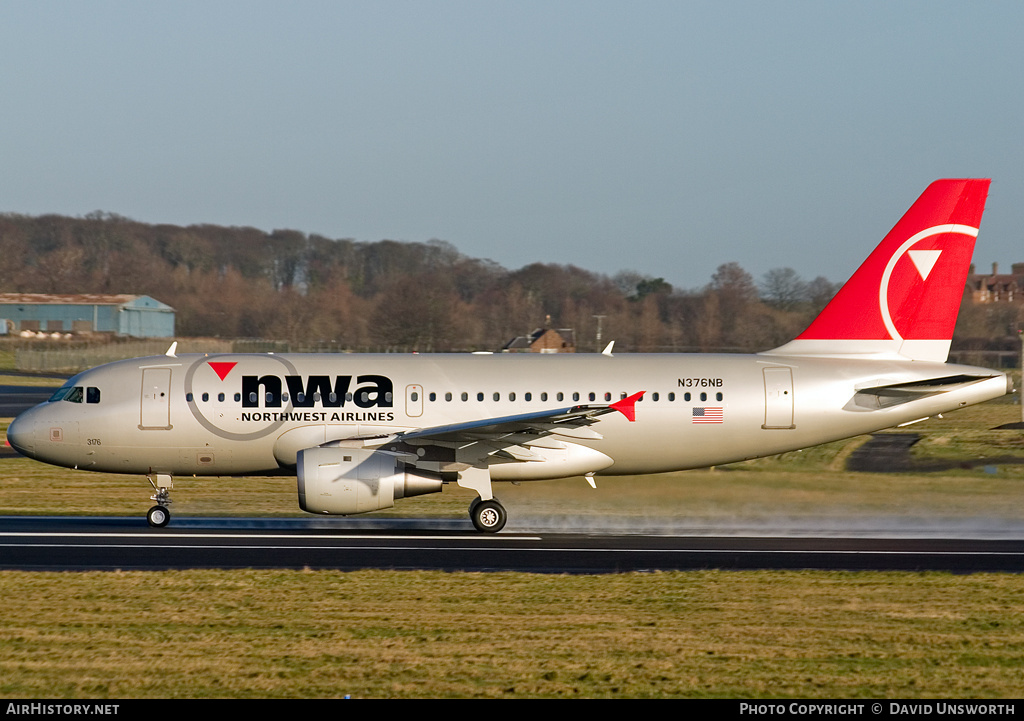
<point x="222" y="369"/>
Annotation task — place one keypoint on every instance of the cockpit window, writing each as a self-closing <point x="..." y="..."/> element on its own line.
<point x="59" y="395"/>
<point x="76" y="394"/>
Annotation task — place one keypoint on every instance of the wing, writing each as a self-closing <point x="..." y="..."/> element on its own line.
<point x="473" y="442"/>
<point x="571" y="421"/>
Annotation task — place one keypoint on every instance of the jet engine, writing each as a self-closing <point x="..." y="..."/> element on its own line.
<point x="344" y="481"/>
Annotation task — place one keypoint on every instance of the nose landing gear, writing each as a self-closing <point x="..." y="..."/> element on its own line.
<point x="159" y="515"/>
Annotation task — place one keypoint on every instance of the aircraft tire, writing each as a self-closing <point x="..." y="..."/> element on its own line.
<point x="476" y="501"/>
<point x="158" y="516"/>
<point x="488" y="516"/>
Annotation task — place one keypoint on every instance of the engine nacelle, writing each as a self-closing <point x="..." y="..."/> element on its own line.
<point x="344" y="481"/>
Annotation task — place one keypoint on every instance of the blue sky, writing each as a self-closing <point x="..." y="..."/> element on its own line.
<point x="662" y="137"/>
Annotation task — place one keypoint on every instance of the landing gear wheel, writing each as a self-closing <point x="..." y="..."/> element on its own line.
<point x="158" y="516"/>
<point x="472" y="505"/>
<point x="488" y="516"/>
<point x="478" y="500"/>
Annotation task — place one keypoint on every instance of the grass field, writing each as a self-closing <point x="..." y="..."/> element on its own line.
<point x="701" y="634"/>
<point x="203" y="634"/>
<point x="26" y="380"/>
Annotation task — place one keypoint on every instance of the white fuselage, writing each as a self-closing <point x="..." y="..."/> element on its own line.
<point x="251" y="414"/>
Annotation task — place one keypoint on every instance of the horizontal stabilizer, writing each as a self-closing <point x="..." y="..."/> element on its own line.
<point x="897" y="393"/>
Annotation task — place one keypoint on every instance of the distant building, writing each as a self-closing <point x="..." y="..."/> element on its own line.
<point x="137" y="316"/>
<point x="543" y="340"/>
<point x="996" y="287"/>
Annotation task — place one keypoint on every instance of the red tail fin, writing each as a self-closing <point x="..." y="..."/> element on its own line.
<point x="904" y="299"/>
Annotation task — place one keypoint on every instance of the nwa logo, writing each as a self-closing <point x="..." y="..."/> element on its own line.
<point x="370" y="391"/>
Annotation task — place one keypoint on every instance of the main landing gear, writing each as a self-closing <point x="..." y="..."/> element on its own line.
<point x="486" y="511"/>
<point x="159" y="515"/>
<point x="488" y="516"/>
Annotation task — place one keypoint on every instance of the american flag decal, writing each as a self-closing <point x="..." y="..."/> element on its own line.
<point x="708" y="415"/>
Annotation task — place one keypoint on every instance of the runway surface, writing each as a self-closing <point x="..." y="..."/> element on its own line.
<point x="83" y="543"/>
<point x="15" y="399"/>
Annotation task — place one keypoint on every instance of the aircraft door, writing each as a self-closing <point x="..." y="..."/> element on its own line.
<point x="156" y="399"/>
<point x="778" y="398"/>
<point x="414" y="401"/>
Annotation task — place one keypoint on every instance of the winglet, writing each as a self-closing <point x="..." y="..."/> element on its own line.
<point x="170" y="351"/>
<point x="608" y="349"/>
<point x="627" y="406"/>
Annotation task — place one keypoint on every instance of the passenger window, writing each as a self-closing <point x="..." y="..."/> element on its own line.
<point x="188" y="397"/>
<point x="560" y="397"/>
<point x="718" y="396"/>
<point x="527" y="396"/>
<point x="414" y="396"/>
<point x="465" y="396"/>
<point x="220" y="397"/>
<point x="686" y="396"/>
<point x="447" y="396"/>
<point x="497" y="396"/>
<point x="206" y="397"/>
<point x="92" y="395"/>
<point x="671" y="396"/>
<point x="575" y="396"/>
<point x="592" y="396"/>
<point x="703" y="396"/>
<point x="479" y="396"/>
<point x="238" y="397"/>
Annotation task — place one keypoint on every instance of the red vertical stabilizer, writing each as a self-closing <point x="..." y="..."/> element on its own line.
<point x="903" y="301"/>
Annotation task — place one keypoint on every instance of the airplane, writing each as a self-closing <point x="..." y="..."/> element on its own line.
<point x="362" y="431"/>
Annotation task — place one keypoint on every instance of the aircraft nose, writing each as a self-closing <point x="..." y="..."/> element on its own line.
<point x="19" y="435"/>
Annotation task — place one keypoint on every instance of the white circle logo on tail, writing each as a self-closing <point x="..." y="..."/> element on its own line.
<point x="923" y="260"/>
